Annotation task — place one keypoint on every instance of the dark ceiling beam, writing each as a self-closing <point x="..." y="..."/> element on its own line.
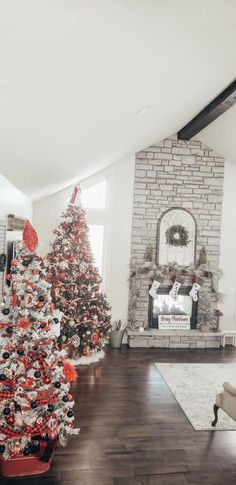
<point x="215" y="108"/>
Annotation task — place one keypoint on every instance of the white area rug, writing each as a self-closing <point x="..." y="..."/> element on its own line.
<point x="195" y="386"/>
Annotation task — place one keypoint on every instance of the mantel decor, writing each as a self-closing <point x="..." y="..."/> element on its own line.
<point x="164" y="274"/>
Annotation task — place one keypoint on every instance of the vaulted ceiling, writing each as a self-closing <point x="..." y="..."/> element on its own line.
<point x="85" y="83"/>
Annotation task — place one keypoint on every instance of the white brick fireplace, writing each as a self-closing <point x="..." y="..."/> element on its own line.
<point x="174" y="174"/>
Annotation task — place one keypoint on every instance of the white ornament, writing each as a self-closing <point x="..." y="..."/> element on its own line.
<point x="63" y="265"/>
<point x="56" y="329"/>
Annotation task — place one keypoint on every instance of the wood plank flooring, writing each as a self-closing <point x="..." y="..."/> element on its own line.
<point x="133" y="432"/>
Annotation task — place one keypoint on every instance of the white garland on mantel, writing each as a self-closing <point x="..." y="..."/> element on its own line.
<point x="165" y="273"/>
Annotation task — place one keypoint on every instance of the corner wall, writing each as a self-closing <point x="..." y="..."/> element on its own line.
<point x="228" y="249"/>
<point x="13" y="201"/>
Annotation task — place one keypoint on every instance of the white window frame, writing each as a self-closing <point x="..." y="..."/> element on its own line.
<point x="101" y="217"/>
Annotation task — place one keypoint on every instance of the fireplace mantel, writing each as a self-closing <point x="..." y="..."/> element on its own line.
<point x="187" y="339"/>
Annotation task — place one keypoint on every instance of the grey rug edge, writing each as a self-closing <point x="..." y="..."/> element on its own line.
<point x="195" y="428"/>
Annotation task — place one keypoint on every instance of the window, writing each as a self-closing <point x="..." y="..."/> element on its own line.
<point x="94" y="200"/>
<point x="181" y="255"/>
<point x="96" y="236"/>
<point x="94" y="197"/>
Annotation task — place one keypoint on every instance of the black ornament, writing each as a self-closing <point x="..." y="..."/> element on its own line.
<point x="65" y="398"/>
<point x="34" y="405"/>
<point x="2" y="448"/>
<point x="70" y="414"/>
<point x="6" y="411"/>
<point x="9" y="330"/>
<point x="50" y="407"/>
<point x="26" y="262"/>
<point x="56" y="320"/>
<point x="57" y="385"/>
<point x="17" y="407"/>
<point x="37" y="374"/>
<point x="41" y="298"/>
<point x="2" y="377"/>
<point x="6" y="355"/>
<point x="26" y="451"/>
<point x="43" y="325"/>
<point x="5" y="311"/>
<point x="34" y="447"/>
<point x="20" y="351"/>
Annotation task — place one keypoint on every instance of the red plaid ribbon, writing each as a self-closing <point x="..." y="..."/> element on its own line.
<point x="42" y="402"/>
<point x="6" y="395"/>
<point x="31" y="430"/>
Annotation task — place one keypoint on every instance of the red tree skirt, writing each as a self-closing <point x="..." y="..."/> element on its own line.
<point x="22" y="466"/>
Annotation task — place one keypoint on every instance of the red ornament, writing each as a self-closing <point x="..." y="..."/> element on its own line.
<point x="52" y="435"/>
<point x="47" y="380"/>
<point x="61" y="276"/>
<point x="30" y="237"/>
<point x="15" y="300"/>
<point x="23" y="323"/>
<point x="14" y="262"/>
<point x="10" y="420"/>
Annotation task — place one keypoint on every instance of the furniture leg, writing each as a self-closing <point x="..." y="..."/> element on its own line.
<point x="215" y="409"/>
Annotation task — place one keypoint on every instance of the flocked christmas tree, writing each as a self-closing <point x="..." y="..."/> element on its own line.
<point x="76" y="284"/>
<point x="35" y="404"/>
<point x="202" y="259"/>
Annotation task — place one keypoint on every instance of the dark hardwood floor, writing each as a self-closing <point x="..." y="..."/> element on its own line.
<point x="133" y="432"/>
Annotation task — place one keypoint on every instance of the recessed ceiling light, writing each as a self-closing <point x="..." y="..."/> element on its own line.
<point x="143" y="110"/>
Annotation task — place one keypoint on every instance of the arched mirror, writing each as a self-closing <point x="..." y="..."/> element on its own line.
<point x="176" y="237"/>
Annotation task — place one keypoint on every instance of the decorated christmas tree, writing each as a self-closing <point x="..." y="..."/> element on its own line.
<point x="36" y="407"/>
<point x="76" y="286"/>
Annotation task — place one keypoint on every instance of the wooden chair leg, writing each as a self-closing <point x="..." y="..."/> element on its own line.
<point x="215" y="409"/>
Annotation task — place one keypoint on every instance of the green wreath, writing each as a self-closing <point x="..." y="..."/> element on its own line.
<point x="177" y="236"/>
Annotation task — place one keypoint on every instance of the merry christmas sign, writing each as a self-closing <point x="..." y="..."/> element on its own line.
<point x="174" y="322"/>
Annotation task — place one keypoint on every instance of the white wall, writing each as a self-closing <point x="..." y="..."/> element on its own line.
<point x="46" y="217"/>
<point x="13" y="201"/>
<point x="228" y="249"/>
<point x="118" y="223"/>
<point x="122" y="180"/>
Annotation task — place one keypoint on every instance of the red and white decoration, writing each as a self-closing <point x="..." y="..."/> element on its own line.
<point x="195" y="288"/>
<point x="176" y="286"/>
<point x="154" y="288"/>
